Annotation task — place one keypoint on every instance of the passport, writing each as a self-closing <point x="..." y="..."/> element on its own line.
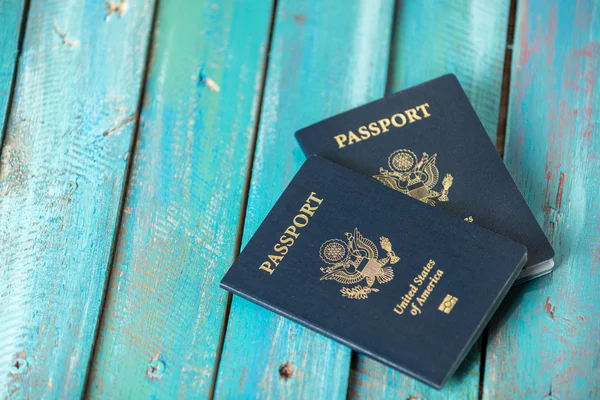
<point x="383" y="273"/>
<point x="427" y="142"/>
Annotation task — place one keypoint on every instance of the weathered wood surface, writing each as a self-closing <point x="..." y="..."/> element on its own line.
<point x="326" y="57"/>
<point x="62" y="170"/>
<point x="464" y="37"/>
<point x="68" y="144"/>
<point x="431" y="38"/>
<point x="545" y="342"/>
<point x="11" y="13"/>
<point x="162" y="323"/>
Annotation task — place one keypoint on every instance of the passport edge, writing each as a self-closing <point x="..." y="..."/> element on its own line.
<point x="485" y="322"/>
<point x="437" y="384"/>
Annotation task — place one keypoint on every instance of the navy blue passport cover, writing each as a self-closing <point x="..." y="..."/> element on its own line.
<point x="381" y="272"/>
<point x="459" y="156"/>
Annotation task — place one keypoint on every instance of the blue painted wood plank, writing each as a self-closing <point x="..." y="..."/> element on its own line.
<point x="62" y="169"/>
<point x="468" y="38"/>
<point x="11" y="14"/>
<point x="545" y="341"/>
<point x="372" y="380"/>
<point x="162" y="323"/>
<point x="326" y="57"/>
<point x="464" y="37"/>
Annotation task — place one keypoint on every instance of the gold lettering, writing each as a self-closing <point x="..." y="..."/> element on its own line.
<point x="423" y="108"/>
<point x="364" y="133"/>
<point x="407" y="298"/>
<point x="301" y="216"/>
<point x="275" y="259"/>
<point x="340" y="139"/>
<point x="414" y="309"/>
<point x="396" y="124"/>
<point x="281" y="249"/>
<point x="307" y="209"/>
<point x="352" y="138"/>
<point x="374" y="129"/>
<point x="266" y="266"/>
<point x="286" y="241"/>
<point x="291" y="230"/>
<point x="312" y="197"/>
<point x="384" y="124"/>
<point x="411" y="113"/>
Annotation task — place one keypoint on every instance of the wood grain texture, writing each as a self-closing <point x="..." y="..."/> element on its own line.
<point x="545" y="341"/>
<point x="326" y="57"/>
<point x="11" y="14"/>
<point x="464" y="37"/>
<point x="164" y="311"/>
<point x="431" y="38"/>
<point x="60" y="187"/>
<point x="372" y="380"/>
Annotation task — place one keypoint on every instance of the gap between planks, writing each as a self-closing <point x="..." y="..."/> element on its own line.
<point x="245" y="196"/>
<point x="508" y="54"/>
<point x="13" y="79"/>
<point x="500" y="139"/>
<point x="131" y="154"/>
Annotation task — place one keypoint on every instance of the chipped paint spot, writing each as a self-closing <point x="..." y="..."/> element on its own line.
<point x="299" y="18"/>
<point x="19" y="365"/>
<point x="286" y="371"/>
<point x="550" y="309"/>
<point x="559" y="192"/>
<point x="212" y="85"/>
<point x="115" y="130"/>
<point x="119" y="7"/>
<point x="65" y="39"/>
<point x="204" y="80"/>
<point x="156" y="369"/>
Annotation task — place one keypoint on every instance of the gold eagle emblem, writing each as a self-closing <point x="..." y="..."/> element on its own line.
<point x="357" y="258"/>
<point x="416" y="178"/>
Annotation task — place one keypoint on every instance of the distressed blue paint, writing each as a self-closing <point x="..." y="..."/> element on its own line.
<point x="464" y="37"/>
<point x="431" y="38"/>
<point x="164" y="311"/>
<point x="60" y="188"/>
<point x="372" y="380"/>
<point x="544" y="343"/>
<point x="11" y="13"/>
<point x="326" y="57"/>
<point x="61" y="180"/>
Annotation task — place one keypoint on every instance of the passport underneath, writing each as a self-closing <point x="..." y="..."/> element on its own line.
<point x="428" y="143"/>
<point x="381" y="272"/>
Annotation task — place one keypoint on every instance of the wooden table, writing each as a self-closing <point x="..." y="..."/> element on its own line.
<point x="129" y="182"/>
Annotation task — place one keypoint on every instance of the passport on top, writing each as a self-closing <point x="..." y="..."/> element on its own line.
<point x="385" y="274"/>
<point x="428" y="143"/>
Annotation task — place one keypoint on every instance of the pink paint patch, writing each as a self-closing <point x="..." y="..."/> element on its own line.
<point x="559" y="192"/>
<point x="550" y="38"/>
<point x="550" y="309"/>
<point x="587" y="60"/>
<point x="526" y="50"/>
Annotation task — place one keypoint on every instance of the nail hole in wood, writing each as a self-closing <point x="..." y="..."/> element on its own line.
<point x="286" y="371"/>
